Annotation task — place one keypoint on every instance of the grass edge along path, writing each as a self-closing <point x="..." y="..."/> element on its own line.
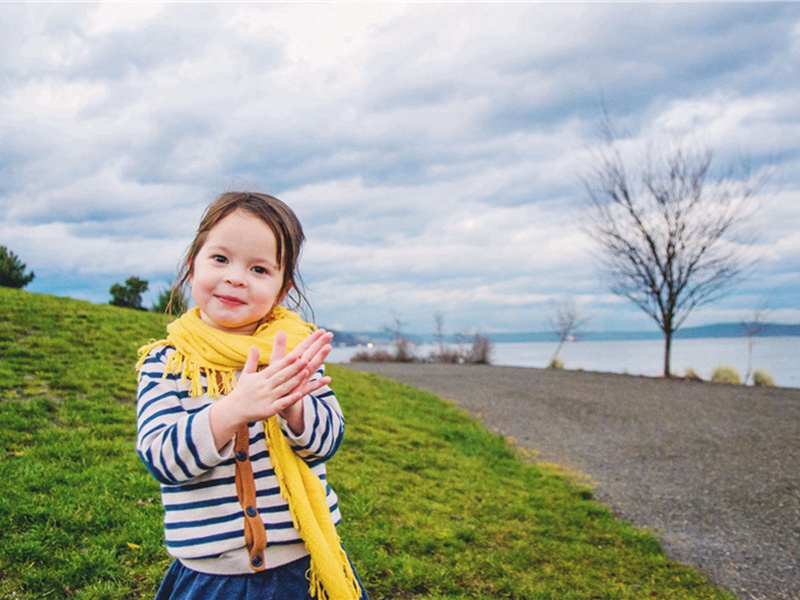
<point x="434" y="504"/>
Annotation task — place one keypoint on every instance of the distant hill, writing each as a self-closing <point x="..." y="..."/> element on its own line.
<point x="718" y="330"/>
<point x="722" y="330"/>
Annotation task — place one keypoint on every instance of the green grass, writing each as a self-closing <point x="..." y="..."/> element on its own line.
<point x="435" y="506"/>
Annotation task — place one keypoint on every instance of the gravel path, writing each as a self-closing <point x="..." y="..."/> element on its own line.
<point x="713" y="470"/>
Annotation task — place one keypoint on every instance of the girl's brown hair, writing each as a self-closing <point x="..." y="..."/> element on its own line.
<point x="278" y="217"/>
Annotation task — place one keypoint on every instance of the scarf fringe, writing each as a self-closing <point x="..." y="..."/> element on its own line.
<point x="218" y="382"/>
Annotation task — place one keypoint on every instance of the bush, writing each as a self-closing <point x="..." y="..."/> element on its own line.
<point x="403" y="350"/>
<point x="380" y="355"/>
<point x="449" y="356"/>
<point x="171" y="302"/>
<point x="402" y="353"/>
<point x="481" y="351"/>
<point x="692" y="375"/>
<point x="762" y="379"/>
<point x="725" y="374"/>
<point x="12" y="270"/>
<point x="556" y="363"/>
<point x="130" y="294"/>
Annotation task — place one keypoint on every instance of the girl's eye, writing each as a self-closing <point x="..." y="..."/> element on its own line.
<point x="219" y="258"/>
<point x="260" y="270"/>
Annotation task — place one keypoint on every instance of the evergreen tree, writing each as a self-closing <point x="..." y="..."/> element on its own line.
<point x="12" y="270"/>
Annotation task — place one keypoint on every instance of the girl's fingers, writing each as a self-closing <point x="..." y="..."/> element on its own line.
<point x="303" y="346"/>
<point x="286" y="373"/>
<point x="290" y="386"/>
<point x="251" y="364"/>
<point x="300" y="348"/>
<point x="279" y="358"/>
<point x="309" y="346"/>
<point x="285" y="403"/>
<point x="315" y="361"/>
<point x="317" y="345"/>
<point x="278" y="347"/>
<point x="316" y="354"/>
<point x="279" y="365"/>
<point x="314" y="384"/>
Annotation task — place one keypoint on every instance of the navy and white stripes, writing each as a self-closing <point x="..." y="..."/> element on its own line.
<point x="203" y="522"/>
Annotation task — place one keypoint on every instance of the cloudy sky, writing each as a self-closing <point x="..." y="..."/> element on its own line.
<point x="433" y="151"/>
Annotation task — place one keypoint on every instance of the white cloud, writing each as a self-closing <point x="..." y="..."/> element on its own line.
<point x="432" y="151"/>
<point x="110" y="18"/>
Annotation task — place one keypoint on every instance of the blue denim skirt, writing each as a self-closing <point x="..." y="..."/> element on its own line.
<point x="287" y="582"/>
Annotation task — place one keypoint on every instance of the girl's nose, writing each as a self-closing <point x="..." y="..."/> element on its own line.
<point x="233" y="277"/>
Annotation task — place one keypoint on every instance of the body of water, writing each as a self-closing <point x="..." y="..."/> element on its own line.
<point x="777" y="356"/>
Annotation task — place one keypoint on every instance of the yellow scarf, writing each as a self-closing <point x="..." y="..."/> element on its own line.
<point x="202" y="349"/>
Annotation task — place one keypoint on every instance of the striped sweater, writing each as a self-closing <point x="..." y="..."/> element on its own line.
<point x="203" y="520"/>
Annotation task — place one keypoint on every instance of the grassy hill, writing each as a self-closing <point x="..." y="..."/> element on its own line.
<point x="435" y="506"/>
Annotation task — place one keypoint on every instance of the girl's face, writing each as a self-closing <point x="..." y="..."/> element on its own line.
<point x="236" y="278"/>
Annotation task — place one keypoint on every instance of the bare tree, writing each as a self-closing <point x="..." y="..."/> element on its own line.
<point x="565" y="324"/>
<point x="665" y="229"/>
<point x="752" y="328"/>
<point x="402" y="345"/>
<point x="438" y="317"/>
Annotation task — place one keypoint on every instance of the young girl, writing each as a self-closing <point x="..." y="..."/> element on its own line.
<point x="236" y="430"/>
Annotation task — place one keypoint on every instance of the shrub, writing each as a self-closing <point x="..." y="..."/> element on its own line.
<point x="403" y="350"/>
<point x="448" y="356"/>
<point x="130" y="294"/>
<point x="725" y="374"/>
<point x="692" y="375"/>
<point x="556" y="363"/>
<point x="481" y="351"/>
<point x="12" y="270"/>
<point x="381" y="355"/>
<point x="762" y="379"/>
<point x="171" y="302"/>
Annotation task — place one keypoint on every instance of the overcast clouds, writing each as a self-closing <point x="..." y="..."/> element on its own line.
<point x="432" y="151"/>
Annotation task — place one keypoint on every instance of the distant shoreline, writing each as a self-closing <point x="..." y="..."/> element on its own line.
<point x="718" y="330"/>
<point x="774" y="355"/>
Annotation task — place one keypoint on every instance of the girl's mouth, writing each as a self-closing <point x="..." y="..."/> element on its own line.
<point x="230" y="300"/>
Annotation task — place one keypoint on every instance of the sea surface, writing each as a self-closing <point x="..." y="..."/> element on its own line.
<point x="779" y="357"/>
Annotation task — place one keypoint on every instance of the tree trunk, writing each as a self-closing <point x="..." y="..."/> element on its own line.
<point x="667" y="352"/>
<point x="558" y="349"/>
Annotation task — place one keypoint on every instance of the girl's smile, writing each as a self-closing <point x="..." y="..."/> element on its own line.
<point x="230" y="300"/>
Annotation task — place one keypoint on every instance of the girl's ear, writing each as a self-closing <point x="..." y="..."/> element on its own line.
<point x="285" y="292"/>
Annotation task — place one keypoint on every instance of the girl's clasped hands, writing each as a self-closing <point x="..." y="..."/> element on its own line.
<point x="276" y="389"/>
